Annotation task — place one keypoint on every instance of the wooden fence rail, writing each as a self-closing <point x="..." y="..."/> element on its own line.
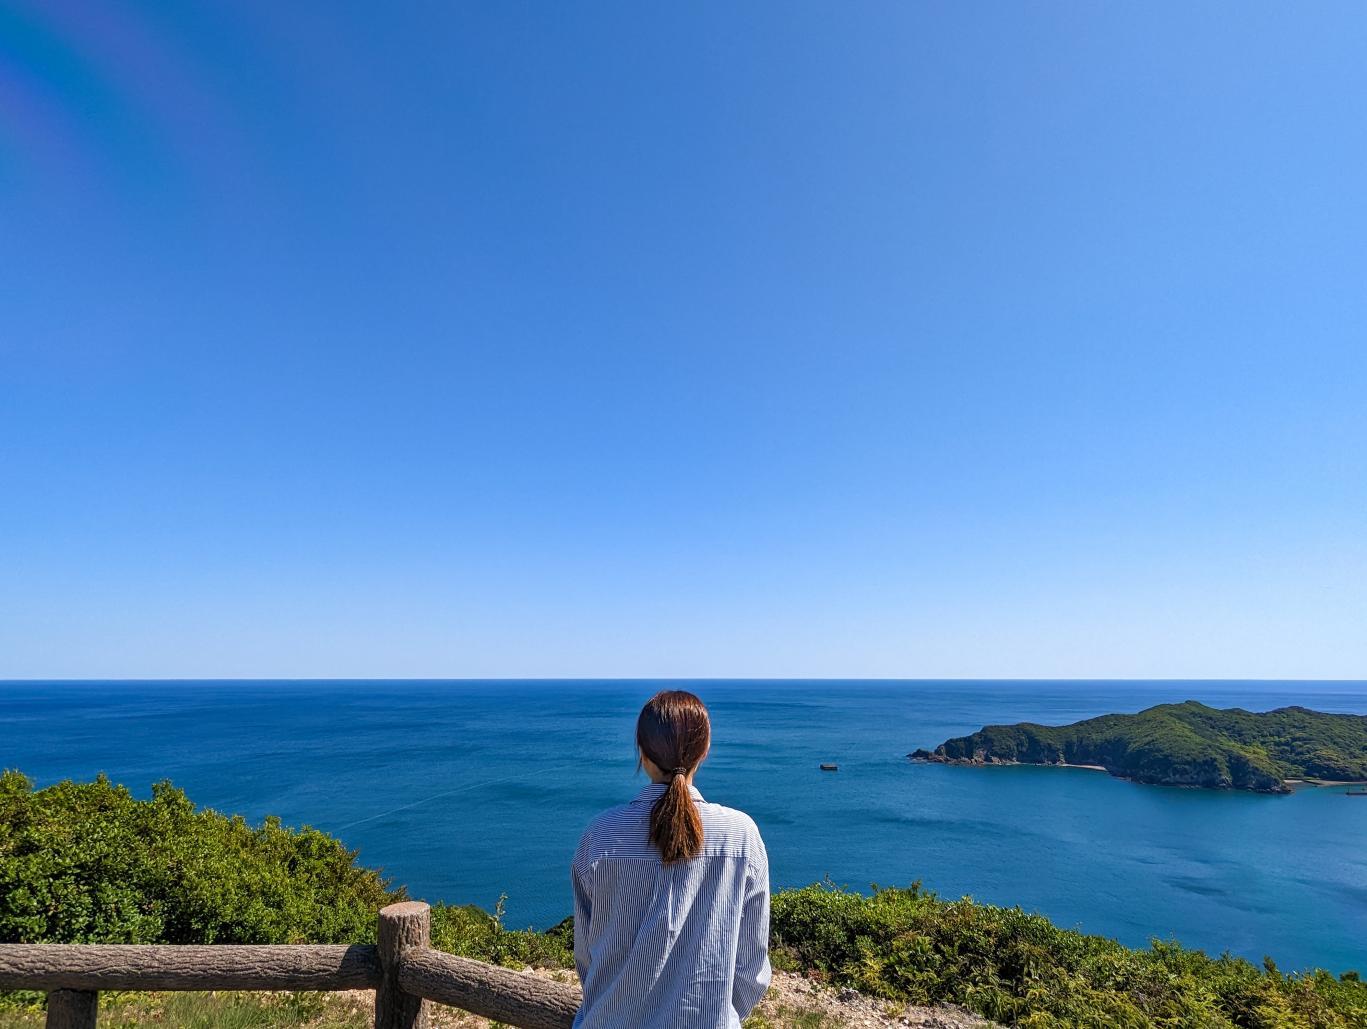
<point x="402" y="969"/>
<point x="58" y="966"/>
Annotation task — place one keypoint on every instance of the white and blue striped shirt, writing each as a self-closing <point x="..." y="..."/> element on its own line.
<point x="670" y="946"/>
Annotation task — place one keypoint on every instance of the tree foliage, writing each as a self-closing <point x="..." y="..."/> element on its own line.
<point x="1186" y="744"/>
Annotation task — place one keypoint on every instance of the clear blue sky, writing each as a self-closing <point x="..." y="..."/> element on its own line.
<point x="904" y="339"/>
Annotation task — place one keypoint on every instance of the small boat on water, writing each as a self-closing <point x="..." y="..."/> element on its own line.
<point x="830" y="768"/>
<point x="1353" y="793"/>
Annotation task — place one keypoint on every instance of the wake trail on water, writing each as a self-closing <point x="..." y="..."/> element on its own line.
<point x="427" y="800"/>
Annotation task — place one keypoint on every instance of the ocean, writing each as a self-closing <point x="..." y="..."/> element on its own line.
<point x="464" y="791"/>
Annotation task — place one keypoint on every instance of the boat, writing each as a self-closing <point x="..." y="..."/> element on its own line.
<point x="830" y="768"/>
<point x="1347" y="793"/>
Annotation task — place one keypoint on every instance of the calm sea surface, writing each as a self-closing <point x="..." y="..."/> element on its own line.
<point x="466" y="790"/>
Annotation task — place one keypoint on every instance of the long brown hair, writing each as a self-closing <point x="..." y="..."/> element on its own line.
<point x="673" y="730"/>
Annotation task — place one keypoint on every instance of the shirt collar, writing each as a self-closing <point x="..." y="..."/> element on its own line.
<point x="651" y="790"/>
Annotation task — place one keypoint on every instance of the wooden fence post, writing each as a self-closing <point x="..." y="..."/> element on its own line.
<point x="402" y="927"/>
<point x="72" y="1009"/>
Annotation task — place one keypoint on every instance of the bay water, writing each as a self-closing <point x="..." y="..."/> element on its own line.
<point x="465" y="791"/>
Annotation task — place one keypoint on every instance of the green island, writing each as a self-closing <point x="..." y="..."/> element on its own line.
<point x="90" y="863"/>
<point x="1186" y="744"/>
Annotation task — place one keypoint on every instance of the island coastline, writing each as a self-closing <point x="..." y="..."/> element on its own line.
<point x="1187" y="744"/>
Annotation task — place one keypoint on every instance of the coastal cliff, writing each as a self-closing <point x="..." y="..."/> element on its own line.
<point x="1186" y="744"/>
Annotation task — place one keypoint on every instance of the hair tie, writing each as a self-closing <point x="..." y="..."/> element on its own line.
<point x="680" y="771"/>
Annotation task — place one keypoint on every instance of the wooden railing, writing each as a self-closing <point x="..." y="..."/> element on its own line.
<point x="402" y="969"/>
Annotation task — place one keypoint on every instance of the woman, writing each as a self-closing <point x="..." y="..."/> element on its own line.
<point x="671" y="893"/>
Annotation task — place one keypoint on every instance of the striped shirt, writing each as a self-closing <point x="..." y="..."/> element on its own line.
<point x="670" y="946"/>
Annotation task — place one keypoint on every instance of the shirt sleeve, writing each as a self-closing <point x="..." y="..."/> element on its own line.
<point x="583" y="911"/>
<point x="752" y="954"/>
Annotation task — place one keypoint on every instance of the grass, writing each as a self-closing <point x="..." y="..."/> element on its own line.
<point x="790" y="1018"/>
<point x="308" y="1011"/>
<point x="215" y="1011"/>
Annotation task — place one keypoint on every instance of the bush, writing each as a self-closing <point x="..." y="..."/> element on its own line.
<point x="1022" y="970"/>
<point x="89" y="863"/>
<point x="474" y="933"/>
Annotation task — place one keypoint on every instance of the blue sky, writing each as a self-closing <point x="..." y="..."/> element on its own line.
<point x="791" y="339"/>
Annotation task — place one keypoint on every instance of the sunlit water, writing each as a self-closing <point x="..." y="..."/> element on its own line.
<point x="467" y="790"/>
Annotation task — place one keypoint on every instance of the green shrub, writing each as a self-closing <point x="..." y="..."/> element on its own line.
<point x="1021" y="969"/>
<point x="474" y="933"/>
<point x="89" y="863"/>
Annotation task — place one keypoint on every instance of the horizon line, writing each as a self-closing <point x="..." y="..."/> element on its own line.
<point x="680" y="678"/>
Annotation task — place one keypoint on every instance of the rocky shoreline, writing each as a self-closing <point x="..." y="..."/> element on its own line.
<point x="922" y="756"/>
<point x="932" y="757"/>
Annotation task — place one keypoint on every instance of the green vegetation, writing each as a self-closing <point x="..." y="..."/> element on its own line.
<point x="1022" y="970"/>
<point x="90" y="863"/>
<point x="213" y="1011"/>
<point x="472" y="932"/>
<point x="1185" y="744"/>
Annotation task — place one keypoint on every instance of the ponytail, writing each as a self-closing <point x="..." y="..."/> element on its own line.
<point x="675" y="826"/>
<point x="673" y="731"/>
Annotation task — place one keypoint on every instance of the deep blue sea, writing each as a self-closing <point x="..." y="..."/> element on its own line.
<point x="463" y="791"/>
